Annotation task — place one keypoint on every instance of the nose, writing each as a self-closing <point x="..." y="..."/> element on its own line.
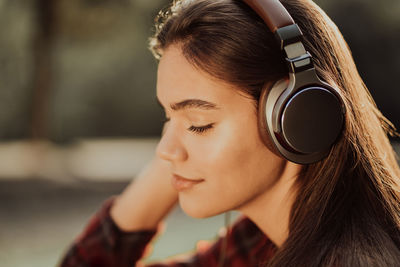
<point x="170" y="147"/>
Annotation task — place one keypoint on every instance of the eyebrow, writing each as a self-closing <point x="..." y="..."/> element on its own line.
<point x="192" y="103"/>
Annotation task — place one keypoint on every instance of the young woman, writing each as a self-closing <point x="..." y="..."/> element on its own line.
<point x="331" y="199"/>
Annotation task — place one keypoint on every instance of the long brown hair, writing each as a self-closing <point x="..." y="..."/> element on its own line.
<point x="347" y="211"/>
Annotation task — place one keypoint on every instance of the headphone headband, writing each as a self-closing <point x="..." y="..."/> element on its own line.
<point x="272" y="12"/>
<point x="287" y="33"/>
<point x="302" y="119"/>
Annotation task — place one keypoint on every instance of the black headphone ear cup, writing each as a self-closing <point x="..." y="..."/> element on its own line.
<point x="310" y="120"/>
<point x="300" y="126"/>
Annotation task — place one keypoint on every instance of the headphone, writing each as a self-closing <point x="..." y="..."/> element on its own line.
<point x="300" y="118"/>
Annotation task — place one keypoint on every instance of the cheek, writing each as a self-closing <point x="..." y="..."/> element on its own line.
<point x="245" y="168"/>
<point x="233" y="146"/>
<point x="220" y="150"/>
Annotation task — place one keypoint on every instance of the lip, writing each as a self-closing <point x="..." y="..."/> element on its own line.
<point x="182" y="183"/>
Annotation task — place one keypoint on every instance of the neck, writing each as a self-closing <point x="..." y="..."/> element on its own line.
<point x="270" y="211"/>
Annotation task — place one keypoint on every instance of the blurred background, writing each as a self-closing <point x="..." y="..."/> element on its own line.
<point x="78" y="116"/>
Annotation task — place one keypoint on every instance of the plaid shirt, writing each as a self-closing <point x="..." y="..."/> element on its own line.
<point x="104" y="244"/>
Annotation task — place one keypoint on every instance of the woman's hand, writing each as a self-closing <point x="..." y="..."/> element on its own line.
<point x="147" y="199"/>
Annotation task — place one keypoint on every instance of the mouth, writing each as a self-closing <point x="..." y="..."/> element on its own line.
<point x="182" y="183"/>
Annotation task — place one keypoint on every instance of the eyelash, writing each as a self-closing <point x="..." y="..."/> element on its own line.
<point x="196" y="129"/>
<point x="201" y="129"/>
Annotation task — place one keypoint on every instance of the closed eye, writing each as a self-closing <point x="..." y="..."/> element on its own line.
<point x="200" y="129"/>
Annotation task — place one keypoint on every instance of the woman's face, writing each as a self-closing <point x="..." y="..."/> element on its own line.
<point x="211" y="139"/>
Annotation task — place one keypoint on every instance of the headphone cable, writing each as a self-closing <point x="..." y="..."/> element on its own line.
<point x="227" y="221"/>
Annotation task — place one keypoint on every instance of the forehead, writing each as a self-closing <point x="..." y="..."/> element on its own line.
<point x="177" y="80"/>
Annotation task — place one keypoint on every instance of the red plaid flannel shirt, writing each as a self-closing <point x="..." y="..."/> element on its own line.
<point x="103" y="244"/>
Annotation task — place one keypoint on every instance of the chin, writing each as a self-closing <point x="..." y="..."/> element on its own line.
<point x="200" y="209"/>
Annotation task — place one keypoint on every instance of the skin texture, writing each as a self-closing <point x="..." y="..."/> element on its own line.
<point x="236" y="171"/>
